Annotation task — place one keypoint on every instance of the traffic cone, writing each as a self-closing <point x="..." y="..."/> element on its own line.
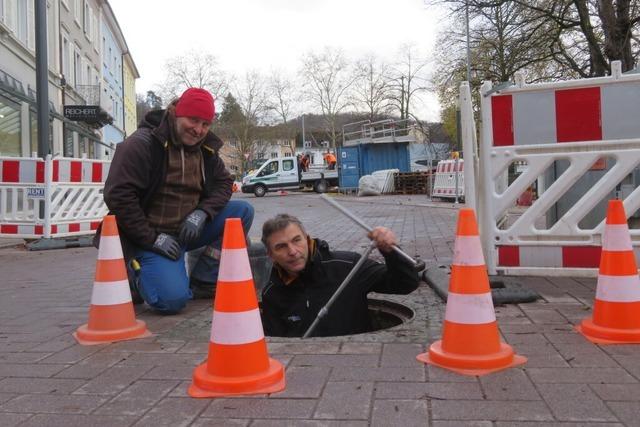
<point x="470" y="343"/>
<point x="111" y="314"/>
<point x="238" y="361"/>
<point x="616" y="311"/>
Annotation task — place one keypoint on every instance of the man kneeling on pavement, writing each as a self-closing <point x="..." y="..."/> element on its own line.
<point x="306" y="273"/>
<point x="169" y="190"/>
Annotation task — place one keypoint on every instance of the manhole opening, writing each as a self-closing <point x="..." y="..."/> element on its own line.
<point x="386" y="314"/>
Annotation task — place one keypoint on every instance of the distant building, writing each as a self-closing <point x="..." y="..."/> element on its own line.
<point x="129" y="76"/>
<point x="77" y="33"/>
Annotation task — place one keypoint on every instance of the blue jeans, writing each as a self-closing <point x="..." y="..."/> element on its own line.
<point x="163" y="283"/>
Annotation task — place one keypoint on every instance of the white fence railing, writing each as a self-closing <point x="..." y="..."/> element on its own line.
<point x="578" y="143"/>
<point x="51" y="198"/>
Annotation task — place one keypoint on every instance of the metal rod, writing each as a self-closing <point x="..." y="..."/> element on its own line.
<point x="324" y="310"/>
<point x="365" y="226"/>
<point x="42" y="79"/>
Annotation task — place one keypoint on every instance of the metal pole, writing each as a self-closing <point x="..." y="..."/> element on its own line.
<point x="468" y="42"/>
<point x="365" y="226"/>
<point x="42" y="80"/>
<point x="324" y="310"/>
<point x="455" y="171"/>
<point x="303" y="137"/>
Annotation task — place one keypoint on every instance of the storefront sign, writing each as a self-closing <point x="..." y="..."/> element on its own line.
<point x="83" y="113"/>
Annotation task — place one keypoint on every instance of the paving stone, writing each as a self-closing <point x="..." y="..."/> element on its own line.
<point x="31" y="370"/>
<point x="579" y="375"/>
<point x="404" y="413"/>
<point x="427" y="390"/>
<point x="629" y="392"/>
<point x="441" y="375"/>
<point x="92" y="366"/>
<point x="304" y="382"/>
<point x="68" y="420"/>
<point x="400" y="354"/>
<point x="52" y="403"/>
<point x="10" y="420"/>
<point x="308" y="423"/>
<point x="360" y="348"/>
<point x="11" y="347"/>
<point x="161" y="359"/>
<point x="575" y="402"/>
<point x="197" y="347"/>
<point x="138" y="398"/>
<point x="630" y="363"/>
<point x="627" y="412"/>
<point x="345" y="373"/>
<point x="462" y="423"/>
<point x="556" y="424"/>
<point x="260" y="408"/>
<point x="174" y="412"/>
<point x="335" y="360"/>
<point x="345" y="400"/>
<point x="73" y="354"/>
<point x="585" y="355"/>
<point x="22" y="357"/>
<point x="212" y="422"/>
<point x="40" y="385"/>
<point x="302" y="348"/>
<point x="170" y="373"/>
<point x="113" y="380"/>
<point x="510" y="384"/>
<point x="146" y="345"/>
<point x="4" y="397"/>
<point x="55" y="345"/>
<point x="490" y="410"/>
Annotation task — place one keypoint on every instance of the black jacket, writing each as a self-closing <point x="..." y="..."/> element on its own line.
<point x="289" y="310"/>
<point x="138" y="168"/>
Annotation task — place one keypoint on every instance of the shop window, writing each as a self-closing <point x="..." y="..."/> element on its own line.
<point x="33" y="121"/>
<point x="9" y="128"/>
<point x="67" y="148"/>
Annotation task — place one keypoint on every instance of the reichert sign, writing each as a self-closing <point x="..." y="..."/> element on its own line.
<point x="84" y="113"/>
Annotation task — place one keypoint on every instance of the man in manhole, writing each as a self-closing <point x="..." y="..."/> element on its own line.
<point x="306" y="273"/>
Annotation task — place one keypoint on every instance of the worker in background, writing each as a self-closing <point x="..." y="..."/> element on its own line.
<point x="306" y="273"/>
<point x="330" y="159"/>
<point x="305" y="163"/>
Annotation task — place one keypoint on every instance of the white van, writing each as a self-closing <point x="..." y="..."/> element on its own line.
<point x="282" y="173"/>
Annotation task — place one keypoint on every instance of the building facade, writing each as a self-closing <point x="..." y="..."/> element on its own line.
<point x="78" y="79"/>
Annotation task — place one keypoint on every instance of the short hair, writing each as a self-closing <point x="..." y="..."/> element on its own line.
<point x="278" y="223"/>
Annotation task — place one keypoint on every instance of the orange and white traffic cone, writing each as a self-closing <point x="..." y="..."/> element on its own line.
<point x="238" y="361"/>
<point x="616" y="311"/>
<point x="111" y="314"/>
<point x="470" y="343"/>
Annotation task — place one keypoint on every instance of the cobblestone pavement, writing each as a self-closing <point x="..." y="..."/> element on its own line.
<point x="46" y="379"/>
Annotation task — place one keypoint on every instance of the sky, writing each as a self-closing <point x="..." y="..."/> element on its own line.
<point x="266" y="34"/>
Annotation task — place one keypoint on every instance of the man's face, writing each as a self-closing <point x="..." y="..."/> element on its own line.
<point x="191" y="130"/>
<point x="289" y="249"/>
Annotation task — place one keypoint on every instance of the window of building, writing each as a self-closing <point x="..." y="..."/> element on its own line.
<point x="22" y="26"/>
<point x="33" y="123"/>
<point x="10" y="14"/>
<point x="66" y="71"/>
<point x="274" y="155"/>
<point x="86" y="18"/>
<point x="9" y="128"/>
<point x="77" y="67"/>
<point x="67" y="146"/>
<point x="77" y="11"/>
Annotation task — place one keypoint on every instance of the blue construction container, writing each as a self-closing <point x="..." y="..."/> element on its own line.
<point x="363" y="159"/>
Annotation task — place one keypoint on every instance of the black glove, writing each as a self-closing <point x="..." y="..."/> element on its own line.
<point x="192" y="226"/>
<point x="167" y="246"/>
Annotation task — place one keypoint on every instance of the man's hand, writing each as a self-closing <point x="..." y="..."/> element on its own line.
<point x="192" y="226"/>
<point x="167" y="246"/>
<point x="384" y="239"/>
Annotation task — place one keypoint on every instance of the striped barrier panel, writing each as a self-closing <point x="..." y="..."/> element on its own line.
<point x="51" y="198"/>
<point x="444" y="185"/>
<point x="577" y="141"/>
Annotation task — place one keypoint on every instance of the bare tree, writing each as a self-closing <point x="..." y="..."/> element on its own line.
<point x="372" y="87"/>
<point x="327" y="80"/>
<point x="283" y="102"/>
<point x="193" y="69"/>
<point x="409" y="80"/>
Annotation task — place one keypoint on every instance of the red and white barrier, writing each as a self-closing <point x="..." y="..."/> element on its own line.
<point x="52" y="197"/>
<point x="444" y="185"/>
<point x="578" y="122"/>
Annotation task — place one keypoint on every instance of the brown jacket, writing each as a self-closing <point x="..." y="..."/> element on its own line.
<point x="139" y="166"/>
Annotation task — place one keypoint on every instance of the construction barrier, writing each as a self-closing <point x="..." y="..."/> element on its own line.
<point x="446" y="185"/>
<point x="578" y="143"/>
<point x="51" y="198"/>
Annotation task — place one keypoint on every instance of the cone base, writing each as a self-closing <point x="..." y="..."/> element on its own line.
<point x="206" y="385"/>
<point x="603" y="335"/>
<point x="86" y="336"/>
<point x="472" y="365"/>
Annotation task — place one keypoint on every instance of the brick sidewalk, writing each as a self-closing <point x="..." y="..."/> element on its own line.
<point x="46" y="379"/>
